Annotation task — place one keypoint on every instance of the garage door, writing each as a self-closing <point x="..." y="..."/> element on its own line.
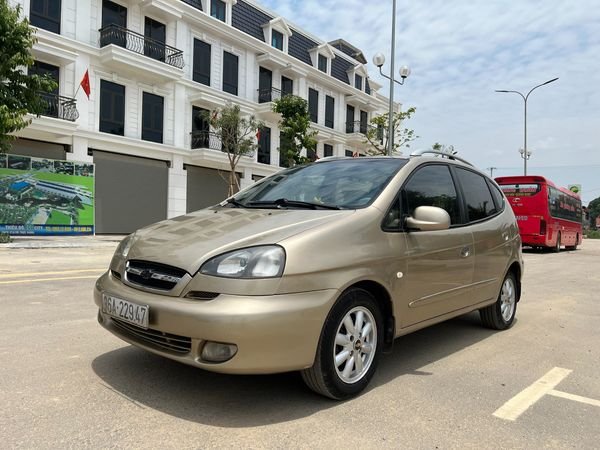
<point x="131" y="192"/>
<point x="38" y="149"/>
<point x="205" y="187"/>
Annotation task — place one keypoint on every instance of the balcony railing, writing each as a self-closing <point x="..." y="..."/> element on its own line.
<point x="206" y="139"/>
<point x="138" y="43"/>
<point x="357" y="127"/>
<point x="269" y="94"/>
<point x="60" y="107"/>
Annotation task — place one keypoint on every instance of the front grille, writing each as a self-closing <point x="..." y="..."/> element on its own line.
<point x="153" y="275"/>
<point x="155" y="338"/>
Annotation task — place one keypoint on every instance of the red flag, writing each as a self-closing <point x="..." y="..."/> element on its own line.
<point x="85" y="84"/>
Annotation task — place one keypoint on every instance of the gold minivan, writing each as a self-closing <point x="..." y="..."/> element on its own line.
<point x="318" y="268"/>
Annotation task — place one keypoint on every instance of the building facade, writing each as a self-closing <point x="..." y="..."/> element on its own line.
<point x="155" y="68"/>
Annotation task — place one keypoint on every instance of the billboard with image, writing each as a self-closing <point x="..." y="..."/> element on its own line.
<point x="40" y="196"/>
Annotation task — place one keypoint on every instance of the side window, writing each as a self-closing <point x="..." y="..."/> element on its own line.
<point x="431" y="186"/>
<point x="478" y="197"/>
<point x="498" y="197"/>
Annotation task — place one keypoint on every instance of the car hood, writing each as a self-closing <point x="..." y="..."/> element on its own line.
<point x="188" y="241"/>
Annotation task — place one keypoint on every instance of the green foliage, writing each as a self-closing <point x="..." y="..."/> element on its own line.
<point x="594" y="210"/>
<point x="294" y="126"/>
<point x="237" y="135"/>
<point x="19" y="93"/>
<point x="592" y="234"/>
<point x="449" y="149"/>
<point x="378" y="133"/>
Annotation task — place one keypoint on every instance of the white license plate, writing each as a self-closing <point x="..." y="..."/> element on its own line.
<point x="125" y="310"/>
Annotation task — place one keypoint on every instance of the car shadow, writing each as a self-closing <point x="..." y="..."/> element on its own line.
<point x="151" y="381"/>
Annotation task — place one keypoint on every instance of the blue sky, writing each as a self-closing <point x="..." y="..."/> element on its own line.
<point x="461" y="51"/>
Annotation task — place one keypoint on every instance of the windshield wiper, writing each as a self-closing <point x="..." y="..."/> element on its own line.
<point x="284" y="202"/>
<point x="232" y="201"/>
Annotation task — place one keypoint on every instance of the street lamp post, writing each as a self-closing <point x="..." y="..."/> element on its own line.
<point x="524" y="153"/>
<point x="379" y="60"/>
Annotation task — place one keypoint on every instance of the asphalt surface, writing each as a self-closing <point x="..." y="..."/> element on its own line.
<point x="67" y="383"/>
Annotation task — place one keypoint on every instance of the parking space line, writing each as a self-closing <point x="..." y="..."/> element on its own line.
<point x="37" y="280"/>
<point x="59" y="272"/>
<point x="576" y="398"/>
<point x="517" y="405"/>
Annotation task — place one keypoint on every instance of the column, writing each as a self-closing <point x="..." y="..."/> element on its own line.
<point x="177" y="197"/>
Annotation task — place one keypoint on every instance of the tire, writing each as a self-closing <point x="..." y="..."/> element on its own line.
<point x="574" y="247"/>
<point x="501" y="314"/>
<point x="335" y="373"/>
<point x="556" y="248"/>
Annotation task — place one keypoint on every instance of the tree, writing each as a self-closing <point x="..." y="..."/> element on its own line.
<point x="594" y="210"/>
<point x="294" y="126"/>
<point x="238" y="138"/>
<point x="19" y="93"/>
<point x="378" y="133"/>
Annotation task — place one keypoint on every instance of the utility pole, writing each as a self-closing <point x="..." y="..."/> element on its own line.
<point x="491" y="169"/>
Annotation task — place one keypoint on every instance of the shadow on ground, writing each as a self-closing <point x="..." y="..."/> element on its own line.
<point x="221" y="400"/>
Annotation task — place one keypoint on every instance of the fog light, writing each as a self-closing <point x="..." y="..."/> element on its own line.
<point x="218" y="352"/>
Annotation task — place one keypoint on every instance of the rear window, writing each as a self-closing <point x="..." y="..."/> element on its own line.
<point x="520" y="190"/>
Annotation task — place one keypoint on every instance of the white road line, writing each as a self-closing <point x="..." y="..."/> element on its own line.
<point x="38" y="280"/>
<point x="517" y="405"/>
<point x="576" y="398"/>
<point x="60" y="272"/>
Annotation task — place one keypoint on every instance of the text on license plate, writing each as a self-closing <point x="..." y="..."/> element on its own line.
<point x="125" y="310"/>
<point x="522" y="217"/>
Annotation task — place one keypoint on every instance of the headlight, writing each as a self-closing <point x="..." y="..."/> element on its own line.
<point x="266" y="261"/>
<point x="124" y="247"/>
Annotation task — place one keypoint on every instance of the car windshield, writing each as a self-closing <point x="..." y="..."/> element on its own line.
<point x="335" y="184"/>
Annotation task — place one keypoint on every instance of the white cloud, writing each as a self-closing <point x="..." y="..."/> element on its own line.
<point x="461" y="51"/>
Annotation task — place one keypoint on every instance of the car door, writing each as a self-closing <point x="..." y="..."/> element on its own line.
<point x="491" y="232"/>
<point x="438" y="264"/>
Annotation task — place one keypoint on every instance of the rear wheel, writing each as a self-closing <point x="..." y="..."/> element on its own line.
<point x="556" y="248"/>
<point x="349" y="346"/>
<point x="501" y="314"/>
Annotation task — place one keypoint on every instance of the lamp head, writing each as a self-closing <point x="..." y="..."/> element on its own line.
<point x="404" y="71"/>
<point x="379" y="59"/>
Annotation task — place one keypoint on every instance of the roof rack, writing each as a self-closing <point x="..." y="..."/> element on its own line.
<point x="436" y="152"/>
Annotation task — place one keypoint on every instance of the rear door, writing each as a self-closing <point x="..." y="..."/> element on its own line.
<point x="439" y="264"/>
<point x="527" y="202"/>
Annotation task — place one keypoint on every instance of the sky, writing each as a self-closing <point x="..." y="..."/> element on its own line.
<point x="460" y="52"/>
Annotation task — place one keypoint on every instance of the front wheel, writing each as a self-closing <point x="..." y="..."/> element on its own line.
<point x="501" y="315"/>
<point x="349" y="346"/>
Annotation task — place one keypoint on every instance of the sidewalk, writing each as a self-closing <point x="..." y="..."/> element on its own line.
<point x="110" y="240"/>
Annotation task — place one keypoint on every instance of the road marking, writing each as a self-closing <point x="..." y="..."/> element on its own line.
<point x="517" y="405"/>
<point x="576" y="398"/>
<point x="38" y="280"/>
<point x="60" y="272"/>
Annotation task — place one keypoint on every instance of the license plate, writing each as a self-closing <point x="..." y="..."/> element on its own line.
<point x="522" y="218"/>
<point x="125" y="310"/>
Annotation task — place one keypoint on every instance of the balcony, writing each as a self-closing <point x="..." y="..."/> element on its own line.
<point x="60" y="107"/>
<point x="205" y="140"/>
<point x="265" y="98"/>
<point x="127" y="51"/>
<point x="356" y="131"/>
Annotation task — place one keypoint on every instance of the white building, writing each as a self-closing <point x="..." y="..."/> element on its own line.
<point x="153" y="66"/>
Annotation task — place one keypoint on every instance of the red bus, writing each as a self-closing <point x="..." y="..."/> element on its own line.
<point x="548" y="216"/>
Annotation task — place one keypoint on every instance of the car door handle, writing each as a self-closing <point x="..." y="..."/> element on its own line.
<point x="465" y="252"/>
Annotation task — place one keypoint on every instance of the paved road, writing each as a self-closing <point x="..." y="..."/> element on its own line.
<point x="66" y="383"/>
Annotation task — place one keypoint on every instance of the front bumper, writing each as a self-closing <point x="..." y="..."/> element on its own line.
<point x="276" y="333"/>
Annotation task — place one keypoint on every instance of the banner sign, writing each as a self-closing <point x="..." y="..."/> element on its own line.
<point x="40" y="196"/>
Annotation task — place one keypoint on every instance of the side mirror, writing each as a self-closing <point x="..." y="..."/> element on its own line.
<point x="428" y="218"/>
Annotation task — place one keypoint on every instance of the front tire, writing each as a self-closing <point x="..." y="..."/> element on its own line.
<point x="501" y="315"/>
<point x="349" y="347"/>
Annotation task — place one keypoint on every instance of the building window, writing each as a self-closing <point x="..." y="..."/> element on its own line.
<point x="277" y="39"/>
<point x="350" y="119"/>
<point x="327" y="150"/>
<point x="287" y="86"/>
<point x="230" y="73"/>
<point x="201" y="70"/>
<point x="322" y="65"/>
<point x="265" y="85"/>
<point x="217" y="9"/>
<point x="349" y="153"/>
<point x="284" y="146"/>
<point x="200" y="128"/>
<point x="358" y="82"/>
<point x="264" y="146"/>
<point x="329" y="108"/>
<point x="156" y="32"/>
<point x="152" y="117"/>
<point x="364" y="122"/>
<point x="313" y="105"/>
<point x="115" y="17"/>
<point x="112" y="108"/>
<point x="46" y="14"/>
